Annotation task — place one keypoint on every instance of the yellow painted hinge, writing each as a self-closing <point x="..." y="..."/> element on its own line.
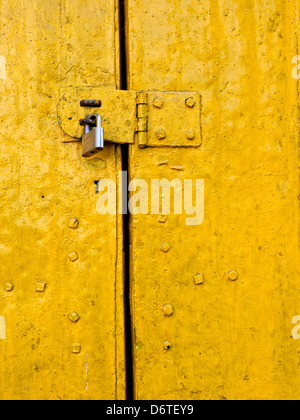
<point x="142" y="119"/>
<point x="150" y="119"/>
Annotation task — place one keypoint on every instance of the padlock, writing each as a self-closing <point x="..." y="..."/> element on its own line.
<point x="93" y="138"/>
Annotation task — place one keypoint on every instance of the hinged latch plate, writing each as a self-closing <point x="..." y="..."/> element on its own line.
<point x="151" y="119"/>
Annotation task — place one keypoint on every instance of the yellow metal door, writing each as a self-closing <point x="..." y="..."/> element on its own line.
<point x="61" y="270"/>
<point x="213" y="294"/>
<point x="213" y="303"/>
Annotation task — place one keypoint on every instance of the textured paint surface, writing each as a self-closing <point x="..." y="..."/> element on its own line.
<point x="2" y="67"/>
<point x="57" y="266"/>
<point x="230" y="334"/>
<point x="118" y="112"/>
<point x="2" y="328"/>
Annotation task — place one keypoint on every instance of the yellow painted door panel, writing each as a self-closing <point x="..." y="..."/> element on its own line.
<point x="212" y="304"/>
<point x="61" y="263"/>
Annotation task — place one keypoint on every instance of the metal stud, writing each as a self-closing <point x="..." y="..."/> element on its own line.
<point x="9" y="286"/>
<point x="160" y="134"/>
<point x="76" y="348"/>
<point x="73" y="256"/>
<point x="73" y="223"/>
<point x="158" y="103"/>
<point x="190" y="134"/>
<point x="190" y="102"/>
<point x="40" y="286"/>
<point x="168" y="310"/>
<point x="165" y="247"/>
<point x="74" y="316"/>
<point x="232" y="275"/>
<point x="198" y="279"/>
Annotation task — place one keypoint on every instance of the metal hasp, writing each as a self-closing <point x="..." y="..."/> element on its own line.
<point x="93" y="138"/>
<point x="146" y="118"/>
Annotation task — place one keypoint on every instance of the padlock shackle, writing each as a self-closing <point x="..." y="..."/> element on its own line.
<point x="97" y="117"/>
<point x="88" y="120"/>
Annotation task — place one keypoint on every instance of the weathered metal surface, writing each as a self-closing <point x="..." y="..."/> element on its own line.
<point x="172" y="121"/>
<point x="118" y="112"/>
<point x="127" y="114"/>
<point x="58" y="256"/>
<point x="234" y="280"/>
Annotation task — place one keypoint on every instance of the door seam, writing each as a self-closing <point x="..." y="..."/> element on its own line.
<point x="126" y="217"/>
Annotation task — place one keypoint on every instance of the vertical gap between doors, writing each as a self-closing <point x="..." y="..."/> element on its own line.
<point x="126" y="229"/>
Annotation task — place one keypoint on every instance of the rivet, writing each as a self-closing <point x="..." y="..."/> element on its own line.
<point x="190" y="102"/>
<point x="74" y="316"/>
<point x="232" y="275"/>
<point x="158" y="103"/>
<point x="168" y="310"/>
<point x="76" y="348"/>
<point x="73" y="223"/>
<point x="73" y="256"/>
<point x="162" y="218"/>
<point x="167" y="345"/>
<point x="190" y="134"/>
<point x="199" y="279"/>
<point x="165" y="247"/>
<point x="160" y="134"/>
<point x="40" y="286"/>
<point x="9" y="287"/>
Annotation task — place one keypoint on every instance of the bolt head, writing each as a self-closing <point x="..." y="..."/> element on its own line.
<point x="73" y="223"/>
<point x="168" y="310"/>
<point x="158" y="103"/>
<point x="232" y="275"/>
<point x="9" y="286"/>
<point x="76" y="348"/>
<point x="40" y="286"/>
<point x="165" y="247"/>
<point x="162" y="218"/>
<point x="161" y="134"/>
<point x="74" y="316"/>
<point x="190" y="134"/>
<point x="190" y="102"/>
<point x="73" y="256"/>
<point x="198" y="279"/>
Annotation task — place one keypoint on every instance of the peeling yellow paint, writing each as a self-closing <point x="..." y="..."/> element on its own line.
<point x="2" y="328"/>
<point x="2" y="67"/>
